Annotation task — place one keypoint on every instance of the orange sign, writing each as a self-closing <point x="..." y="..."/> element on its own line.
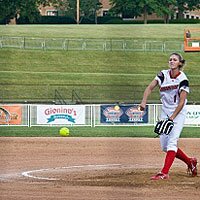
<point x="10" y="114"/>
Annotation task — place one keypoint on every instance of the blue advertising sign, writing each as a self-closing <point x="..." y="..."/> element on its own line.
<point x="123" y="114"/>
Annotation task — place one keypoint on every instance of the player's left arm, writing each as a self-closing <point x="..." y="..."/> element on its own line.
<point x="183" y="96"/>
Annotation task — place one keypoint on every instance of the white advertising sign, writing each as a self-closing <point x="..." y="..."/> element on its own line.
<point x="60" y="114"/>
<point x="193" y="114"/>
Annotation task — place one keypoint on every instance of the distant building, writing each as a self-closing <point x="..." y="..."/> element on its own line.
<point x="192" y="14"/>
<point x="106" y="6"/>
<point x="51" y="11"/>
<point x="48" y="11"/>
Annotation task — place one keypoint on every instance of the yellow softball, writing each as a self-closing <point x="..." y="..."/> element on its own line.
<point x="116" y="107"/>
<point x="64" y="132"/>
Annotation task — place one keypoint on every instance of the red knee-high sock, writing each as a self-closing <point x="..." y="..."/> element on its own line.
<point x="169" y="159"/>
<point x="182" y="156"/>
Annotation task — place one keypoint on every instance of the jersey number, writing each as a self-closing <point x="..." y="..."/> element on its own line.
<point x="174" y="98"/>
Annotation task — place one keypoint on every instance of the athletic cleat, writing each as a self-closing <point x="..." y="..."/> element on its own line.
<point x="192" y="167"/>
<point x="160" y="176"/>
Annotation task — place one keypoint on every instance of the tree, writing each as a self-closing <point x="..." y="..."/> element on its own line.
<point x="29" y="10"/>
<point x="147" y="7"/>
<point x="165" y="8"/>
<point x="20" y="8"/>
<point x="8" y="9"/>
<point x="88" y="8"/>
<point x="126" y="8"/>
<point x="134" y="8"/>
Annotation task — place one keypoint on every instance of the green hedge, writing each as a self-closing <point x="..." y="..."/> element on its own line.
<point x="48" y="20"/>
<point x="4" y="21"/>
<point x="118" y="20"/>
<point x="185" y="21"/>
<point x="100" y="20"/>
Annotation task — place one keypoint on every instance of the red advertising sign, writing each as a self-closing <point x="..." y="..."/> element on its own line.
<point x="11" y="114"/>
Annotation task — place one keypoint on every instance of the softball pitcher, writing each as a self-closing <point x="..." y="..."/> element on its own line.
<point x="174" y="87"/>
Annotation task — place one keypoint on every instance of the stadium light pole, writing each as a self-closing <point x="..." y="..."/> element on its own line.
<point x="77" y="11"/>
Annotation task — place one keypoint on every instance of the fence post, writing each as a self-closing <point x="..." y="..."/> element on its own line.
<point x="145" y="46"/>
<point x="23" y="43"/>
<point x="67" y="44"/>
<point x="43" y="44"/>
<point x="104" y="46"/>
<point x="64" y="44"/>
<point x="84" y="45"/>
<point x="182" y="47"/>
<point x="94" y="112"/>
<point x="164" y="47"/>
<point x="91" y="115"/>
<point x="124" y="45"/>
<point x="28" y="116"/>
<point x="1" y="44"/>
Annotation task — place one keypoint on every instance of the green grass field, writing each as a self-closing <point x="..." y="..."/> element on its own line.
<point x="135" y="131"/>
<point x="148" y="31"/>
<point x="34" y="75"/>
<point x="96" y="76"/>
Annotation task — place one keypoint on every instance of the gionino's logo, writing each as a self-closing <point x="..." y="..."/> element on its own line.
<point x="60" y="113"/>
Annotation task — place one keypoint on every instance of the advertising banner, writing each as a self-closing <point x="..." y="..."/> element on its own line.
<point x="60" y="114"/>
<point x="193" y="114"/>
<point x="11" y="114"/>
<point x="123" y="114"/>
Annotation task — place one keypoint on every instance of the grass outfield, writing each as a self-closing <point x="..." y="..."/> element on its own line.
<point x="33" y="75"/>
<point x="148" y="31"/>
<point x="134" y="131"/>
<point x="96" y="76"/>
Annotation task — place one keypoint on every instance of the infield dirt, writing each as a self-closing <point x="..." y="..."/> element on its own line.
<point x="92" y="168"/>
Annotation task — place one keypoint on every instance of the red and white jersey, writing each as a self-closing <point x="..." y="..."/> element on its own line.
<point x="170" y="88"/>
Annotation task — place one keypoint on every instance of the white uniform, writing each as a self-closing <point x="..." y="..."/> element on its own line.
<point x="170" y="89"/>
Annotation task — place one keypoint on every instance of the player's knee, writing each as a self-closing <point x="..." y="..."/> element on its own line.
<point x="164" y="149"/>
<point x="172" y="148"/>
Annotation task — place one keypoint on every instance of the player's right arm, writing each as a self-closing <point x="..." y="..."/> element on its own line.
<point x="147" y="92"/>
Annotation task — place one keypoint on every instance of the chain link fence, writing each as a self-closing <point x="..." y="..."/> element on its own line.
<point x="89" y="44"/>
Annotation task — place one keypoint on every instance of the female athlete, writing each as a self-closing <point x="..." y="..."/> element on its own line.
<point x="174" y="87"/>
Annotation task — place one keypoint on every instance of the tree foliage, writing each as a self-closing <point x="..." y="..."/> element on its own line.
<point x="139" y="7"/>
<point x="163" y="8"/>
<point x="88" y="8"/>
<point x="8" y="9"/>
<point x="15" y="8"/>
<point x="29" y="8"/>
<point x="125" y="8"/>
